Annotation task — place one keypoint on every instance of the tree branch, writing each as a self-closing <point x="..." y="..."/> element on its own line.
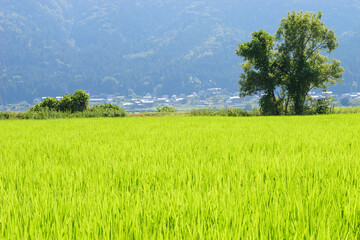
<point x="314" y="50"/>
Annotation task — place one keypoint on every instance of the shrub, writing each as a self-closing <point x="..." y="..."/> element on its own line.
<point x="232" y="112"/>
<point x="229" y="112"/>
<point x="203" y="112"/>
<point x="108" y="106"/>
<point x="65" y="103"/>
<point x="106" y="110"/>
<point x="7" y="115"/>
<point x="37" y="107"/>
<point x="319" y="106"/>
<point x="51" y="103"/>
<point x="44" y="113"/>
<point x="166" y="109"/>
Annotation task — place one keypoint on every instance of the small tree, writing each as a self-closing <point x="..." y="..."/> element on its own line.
<point x="79" y="101"/>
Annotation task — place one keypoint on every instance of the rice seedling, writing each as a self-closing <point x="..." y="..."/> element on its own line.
<point x="181" y="177"/>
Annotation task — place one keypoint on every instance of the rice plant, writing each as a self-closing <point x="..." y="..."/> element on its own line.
<point x="181" y="178"/>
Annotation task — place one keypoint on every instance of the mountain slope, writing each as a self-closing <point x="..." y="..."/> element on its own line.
<point x="157" y="46"/>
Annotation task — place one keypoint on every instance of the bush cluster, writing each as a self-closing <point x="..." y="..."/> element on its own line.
<point x="106" y="110"/>
<point x="77" y="102"/>
<point x="319" y="106"/>
<point x="166" y="109"/>
<point x="70" y="106"/>
<point x="43" y="113"/>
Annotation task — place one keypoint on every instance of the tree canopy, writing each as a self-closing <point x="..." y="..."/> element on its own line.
<point x="291" y="63"/>
<point x="259" y="69"/>
<point x="76" y="102"/>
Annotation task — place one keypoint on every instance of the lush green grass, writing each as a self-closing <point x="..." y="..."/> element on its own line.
<point x="181" y="177"/>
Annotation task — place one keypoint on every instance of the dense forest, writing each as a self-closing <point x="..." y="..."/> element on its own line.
<point x="158" y="46"/>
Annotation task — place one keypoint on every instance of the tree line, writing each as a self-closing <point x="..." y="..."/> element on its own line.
<point x="69" y="106"/>
<point x="286" y="66"/>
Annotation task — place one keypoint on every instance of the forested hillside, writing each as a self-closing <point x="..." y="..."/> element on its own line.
<point x="158" y="46"/>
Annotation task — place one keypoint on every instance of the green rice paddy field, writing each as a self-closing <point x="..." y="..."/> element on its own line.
<point x="181" y="178"/>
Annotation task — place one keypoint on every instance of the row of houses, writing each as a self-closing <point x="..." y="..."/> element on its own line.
<point x="149" y="101"/>
<point x="202" y="98"/>
<point x="336" y="96"/>
<point x="351" y="95"/>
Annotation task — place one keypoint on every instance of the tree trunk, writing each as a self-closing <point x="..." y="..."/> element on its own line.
<point x="299" y="102"/>
<point x="286" y="105"/>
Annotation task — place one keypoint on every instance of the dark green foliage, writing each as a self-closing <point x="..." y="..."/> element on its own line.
<point x="50" y="103"/>
<point x="290" y="62"/>
<point x="74" y="105"/>
<point x="10" y="115"/>
<point x="319" y="106"/>
<point x="235" y="112"/>
<point x="37" y="107"/>
<point x="79" y="101"/>
<point x="302" y="37"/>
<point x="203" y="112"/>
<point x="259" y="70"/>
<point x="166" y="109"/>
<point x="322" y="106"/>
<point x="65" y="103"/>
<point x="106" y="110"/>
<point x="270" y="105"/>
<point x="107" y="106"/>
<point x="39" y="113"/>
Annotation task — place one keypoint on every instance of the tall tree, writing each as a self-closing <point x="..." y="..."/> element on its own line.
<point x="291" y="60"/>
<point x="259" y="70"/>
<point x="301" y="38"/>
